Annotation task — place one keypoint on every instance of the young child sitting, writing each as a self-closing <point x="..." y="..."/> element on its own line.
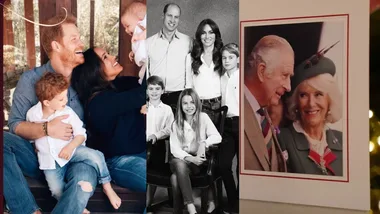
<point x="53" y="153"/>
<point x="133" y="20"/>
<point x="192" y="132"/>
<point x="159" y="119"/>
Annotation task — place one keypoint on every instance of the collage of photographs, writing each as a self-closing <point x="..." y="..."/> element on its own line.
<point x="179" y="106"/>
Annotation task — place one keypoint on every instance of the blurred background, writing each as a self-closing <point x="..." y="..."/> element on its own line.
<point x="374" y="112"/>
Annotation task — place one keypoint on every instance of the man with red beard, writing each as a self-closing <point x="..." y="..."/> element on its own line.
<point x="63" y="46"/>
<point x="266" y="79"/>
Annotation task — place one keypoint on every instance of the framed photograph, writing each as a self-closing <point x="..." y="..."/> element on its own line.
<point x="300" y="131"/>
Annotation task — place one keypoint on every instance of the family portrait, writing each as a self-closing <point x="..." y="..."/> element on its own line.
<point x="193" y="106"/>
<point x="74" y="141"/>
<point x="294" y="98"/>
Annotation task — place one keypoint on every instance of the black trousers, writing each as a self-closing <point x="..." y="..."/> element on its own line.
<point x="228" y="148"/>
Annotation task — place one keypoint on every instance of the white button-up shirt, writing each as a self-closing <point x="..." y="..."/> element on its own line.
<point x="159" y="120"/>
<point x="48" y="147"/>
<point x="208" y="133"/>
<point x="230" y="92"/>
<point x="207" y="82"/>
<point x="168" y="60"/>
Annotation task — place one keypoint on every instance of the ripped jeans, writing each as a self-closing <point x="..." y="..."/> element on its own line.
<point x="56" y="177"/>
<point x="20" y="159"/>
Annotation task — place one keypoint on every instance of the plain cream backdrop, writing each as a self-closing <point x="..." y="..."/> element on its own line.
<point x="355" y="193"/>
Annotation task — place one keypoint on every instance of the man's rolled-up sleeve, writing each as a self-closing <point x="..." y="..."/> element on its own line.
<point x="21" y="103"/>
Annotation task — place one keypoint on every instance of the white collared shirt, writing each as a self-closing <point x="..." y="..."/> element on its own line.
<point x="139" y="47"/>
<point x="159" y="120"/>
<point x="207" y="82"/>
<point x="208" y="133"/>
<point x="253" y="103"/>
<point x="168" y="60"/>
<point x="230" y="92"/>
<point x="48" y="147"/>
<point x="316" y="145"/>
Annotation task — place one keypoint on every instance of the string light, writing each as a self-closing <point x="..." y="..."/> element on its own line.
<point x="370" y="114"/>
<point x="36" y="23"/>
<point x="371" y="146"/>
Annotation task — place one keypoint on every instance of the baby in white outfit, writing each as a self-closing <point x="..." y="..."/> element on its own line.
<point x="134" y="22"/>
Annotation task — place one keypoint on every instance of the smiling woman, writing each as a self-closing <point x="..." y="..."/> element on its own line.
<point x="206" y="66"/>
<point x="312" y="147"/>
<point x="114" y="123"/>
<point x="110" y="65"/>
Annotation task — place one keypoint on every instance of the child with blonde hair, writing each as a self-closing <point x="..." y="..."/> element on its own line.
<point x="133" y="20"/>
<point x="192" y="133"/>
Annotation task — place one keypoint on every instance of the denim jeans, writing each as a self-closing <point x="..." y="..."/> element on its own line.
<point x="129" y="171"/>
<point x="182" y="170"/>
<point x="209" y="106"/>
<point x="56" y="177"/>
<point x="20" y="159"/>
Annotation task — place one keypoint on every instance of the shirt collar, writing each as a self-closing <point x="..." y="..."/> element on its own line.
<point x="39" y="114"/>
<point x="161" y="34"/>
<point x="203" y="61"/>
<point x="49" y="67"/>
<point x="234" y="74"/>
<point x="298" y="127"/>
<point x="160" y="105"/>
<point x="251" y="99"/>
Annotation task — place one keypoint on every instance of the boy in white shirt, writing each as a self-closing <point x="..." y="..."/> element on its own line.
<point x="230" y="147"/>
<point x="53" y="153"/>
<point x="160" y="116"/>
<point x="159" y="120"/>
<point x="133" y="20"/>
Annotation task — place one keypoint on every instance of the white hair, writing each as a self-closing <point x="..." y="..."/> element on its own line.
<point x="268" y="50"/>
<point x="326" y="84"/>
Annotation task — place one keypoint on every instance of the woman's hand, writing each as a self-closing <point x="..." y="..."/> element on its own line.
<point x="131" y="55"/>
<point x="195" y="160"/>
<point x="143" y="109"/>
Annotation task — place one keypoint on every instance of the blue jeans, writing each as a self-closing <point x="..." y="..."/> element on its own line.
<point x="56" y="177"/>
<point x="129" y="171"/>
<point x="20" y="159"/>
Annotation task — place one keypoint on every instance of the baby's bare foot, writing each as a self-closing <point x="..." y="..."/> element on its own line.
<point x="86" y="211"/>
<point x="112" y="196"/>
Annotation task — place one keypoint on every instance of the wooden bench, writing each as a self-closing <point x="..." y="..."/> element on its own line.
<point x="132" y="202"/>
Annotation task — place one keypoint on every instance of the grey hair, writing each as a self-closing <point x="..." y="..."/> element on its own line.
<point x="326" y="84"/>
<point x="267" y="50"/>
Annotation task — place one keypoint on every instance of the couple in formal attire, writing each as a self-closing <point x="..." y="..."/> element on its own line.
<point x="307" y="145"/>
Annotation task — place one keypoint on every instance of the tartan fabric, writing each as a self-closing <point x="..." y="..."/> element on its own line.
<point x="266" y="130"/>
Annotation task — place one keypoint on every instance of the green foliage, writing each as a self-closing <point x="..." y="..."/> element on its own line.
<point x="106" y="27"/>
